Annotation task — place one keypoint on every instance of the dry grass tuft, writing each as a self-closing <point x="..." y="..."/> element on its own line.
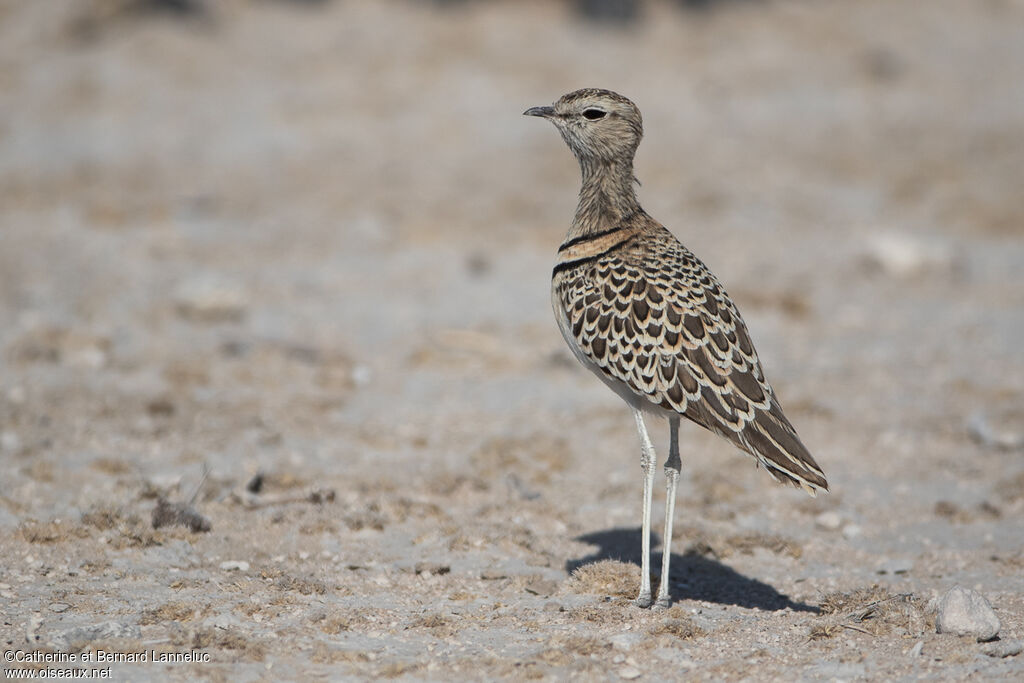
<point x="607" y="577"/>
<point x="581" y="645"/>
<point x="301" y="585"/>
<point x="206" y="638"/>
<point x="834" y="603"/>
<point x="568" y="650"/>
<point x="824" y="631"/>
<point x="747" y="543"/>
<point x="369" y="517"/>
<point x="439" y="625"/>
<point x="874" y="611"/>
<point x="336" y="623"/>
<point x="48" y="532"/>
<point x="679" y="628"/>
<point x="397" y="669"/>
<point x="171" y="611"/>
<point x="719" y="547"/>
<point x="106" y="518"/>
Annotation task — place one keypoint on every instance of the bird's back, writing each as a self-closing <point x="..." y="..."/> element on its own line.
<point x="653" y="322"/>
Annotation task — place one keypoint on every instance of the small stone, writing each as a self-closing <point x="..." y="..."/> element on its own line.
<point x="362" y="375"/>
<point x="78" y="637"/>
<point x="88" y="357"/>
<point x="629" y="673"/>
<point x="1001" y="437"/>
<point x="32" y="630"/>
<point x="904" y="255"/>
<point x="916" y="650"/>
<point x="624" y="642"/>
<point x="1004" y="648"/>
<point x="493" y="575"/>
<point x="852" y="531"/>
<point x="235" y="565"/>
<point x="224" y="622"/>
<point x="897" y="566"/>
<point x="829" y="521"/>
<point x="432" y="568"/>
<point x="966" y="612"/>
<point x="59" y="607"/>
<point x="255" y="484"/>
<point x="211" y="298"/>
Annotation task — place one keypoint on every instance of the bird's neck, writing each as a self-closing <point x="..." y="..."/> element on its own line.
<point x="607" y="197"/>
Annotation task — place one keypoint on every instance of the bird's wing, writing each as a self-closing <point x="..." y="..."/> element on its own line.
<point x="650" y="314"/>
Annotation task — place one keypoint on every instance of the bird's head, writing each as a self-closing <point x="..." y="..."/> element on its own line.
<point x="598" y="125"/>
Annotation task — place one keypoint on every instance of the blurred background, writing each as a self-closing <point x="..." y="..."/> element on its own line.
<point x="183" y="180"/>
<point x="314" y="237"/>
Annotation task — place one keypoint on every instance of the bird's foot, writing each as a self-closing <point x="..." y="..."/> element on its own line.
<point x="662" y="603"/>
<point x="643" y="600"/>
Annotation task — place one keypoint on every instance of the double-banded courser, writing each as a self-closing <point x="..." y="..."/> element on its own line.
<point x="646" y="316"/>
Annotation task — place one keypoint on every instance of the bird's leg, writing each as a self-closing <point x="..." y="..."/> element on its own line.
<point x="647" y="463"/>
<point x="672" y="466"/>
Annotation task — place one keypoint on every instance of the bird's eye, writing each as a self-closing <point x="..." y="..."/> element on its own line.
<point x="593" y="114"/>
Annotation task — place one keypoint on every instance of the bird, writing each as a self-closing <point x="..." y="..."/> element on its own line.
<point x="644" y="314"/>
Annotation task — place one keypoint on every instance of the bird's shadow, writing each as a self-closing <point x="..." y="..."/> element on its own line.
<point x="692" y="576"/>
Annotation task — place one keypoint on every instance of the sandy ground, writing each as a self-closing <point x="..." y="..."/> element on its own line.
<point x="313" y="241"/>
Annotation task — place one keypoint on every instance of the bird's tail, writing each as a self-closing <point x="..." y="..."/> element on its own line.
<point x="771" y="439"/>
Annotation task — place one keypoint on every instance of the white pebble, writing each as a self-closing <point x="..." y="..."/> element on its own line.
<point x="625" y="641"/>
<point x="235" y="565"/>
<point x="852" y="531"/>
<point x="211" y="297"/>
<point x="362" y="375"/>
<point x="905" y="255"/>
<point x="829" y="521"/>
